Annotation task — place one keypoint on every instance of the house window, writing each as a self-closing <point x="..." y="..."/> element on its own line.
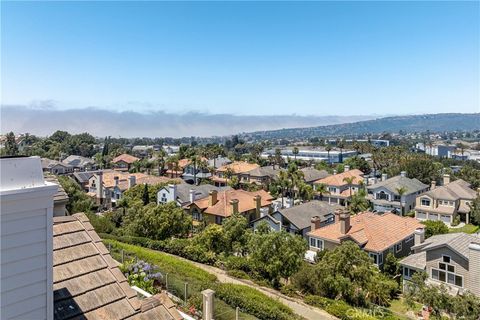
<point x="332" y="189"/>
<point x="377" y="258"/>
<point x="410" y="238"/>
<point x="382" y="195"/>
<point x="408" y="273"/>
<point x="398" y="247"/>
<point x="425" y="202"/>
<point x="396" y="198"/>
<point x="446" y="273"/>
<point x="316" y="243"/>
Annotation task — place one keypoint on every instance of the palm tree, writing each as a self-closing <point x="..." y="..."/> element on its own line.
<point x="295" y="152"/>
<point x="341" y="145"/>
<point x="401" y="191"/>
<point x="228" y="174"/>
<point x="349" y="181"/>
<point x="321" y="190"/>
<point x="328" y="149"/>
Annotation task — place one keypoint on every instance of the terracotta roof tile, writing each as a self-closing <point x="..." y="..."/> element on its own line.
<point x="125" y="158"/>
<point x="238" y="167"/>
<point x="377" y="232"/>
<point x="337" y="179"/>
<point x="223" y="207"/>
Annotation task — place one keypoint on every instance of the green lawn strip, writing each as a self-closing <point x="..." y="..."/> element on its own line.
<point x="179" y="271"/>
<point x="468" y="228"/>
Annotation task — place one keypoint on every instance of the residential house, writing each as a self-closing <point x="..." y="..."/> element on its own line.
<point x="175" y="170"/>
<point x="446" y="202"/>
<point x="451" y="259"/>
<point x="60" y="199"/>
<point x="88" y="283"/>
<point x="385" y="195"/>
<point x="218" y="162"/>
<point x="261" y="176"/>
<point x="339" y="190"/>
<point x="377" y="234"/>
<point x="82" y="177"/>
<point x="124" y="162"/>
<point x="55" y="167"/>
<point x="237" y="168"/>
<point x="107" y="187"/>
<point x="194" y="172"/>
<point x="220" y="205"/>
<point x="297" y="219"/>
<point x="80" y="163"/>
<point x="184" y="194"/>
<point x="310" y="175"/>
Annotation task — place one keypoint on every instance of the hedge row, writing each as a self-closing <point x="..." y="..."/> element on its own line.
<point x="180" y="247"/>
<point x="253" y="302"/>
<point x="344" y="311"/>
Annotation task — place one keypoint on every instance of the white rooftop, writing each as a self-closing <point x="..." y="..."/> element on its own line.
<point x="18" y="173"/>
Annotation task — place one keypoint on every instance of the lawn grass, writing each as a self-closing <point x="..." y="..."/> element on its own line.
<point x="399" y="308"/>
<point x="468" y="228"/>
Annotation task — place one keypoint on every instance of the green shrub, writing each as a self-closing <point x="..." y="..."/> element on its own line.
<point x="237" y="263"/>
<point x="238" y="274"/>
<point x="253" y="302"/>
<point x="288" y="290"/>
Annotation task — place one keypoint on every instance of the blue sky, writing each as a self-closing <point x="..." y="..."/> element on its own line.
<point x="309" y="58"/>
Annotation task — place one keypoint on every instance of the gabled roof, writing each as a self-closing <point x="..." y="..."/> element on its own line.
<point x="311" y="174"/>
<point x="458" y="189"/>
<point x="140" y="178"/>
<point x="49" y="163"/>
<point x="266" y="171"/>
<point x="397" y="182"/>
<point x="223" y="207"/>
<point x="77" y="161"/>
<point x="201" y="191"/>
<point x="337" y="179"/>
<point x="239" y="167"/>
<point x="302" y="214"/>
<point x="125" y="158"/>
<point x="88" y="283"/>
<point x="84" y="176"/>
<point x="376" y="232"/>
<point x="458" y="242"/>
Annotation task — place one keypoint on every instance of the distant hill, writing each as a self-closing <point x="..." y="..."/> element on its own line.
<point x="416" y="123"/>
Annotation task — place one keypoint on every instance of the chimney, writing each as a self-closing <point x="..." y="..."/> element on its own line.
<point x="207" y="309"/>
<point x="384" y="176"/>
<point x="172" y="189"/>
<point x="257" y="202"/>
<point x="419" y="236"/>
<point x="131" y="181"/>
<point x="26" y="217"/>
<point x="334" y="171"/>
<point x="290" y="202"/>
<point x="99" y="183"/>
<point x="212" y="197"/>
<point x="403" y="174"/>
<point x="474" y="264"/>
<point x="234" y="206"/>
<point x="314" y="223"/>
<point x="446" y="179"/>
<point x="346" y="168"/>
<point x="192" y="196"/>
<point x="116" y="181"/>
<point x="344" y="219"/>
<point x="434" y="184"/>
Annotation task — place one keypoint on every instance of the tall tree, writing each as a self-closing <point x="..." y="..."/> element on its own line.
<point x="295" y="152"/>
<point x="145" y="196"/>
<point x="11" y="148"/>
<point x="401" y="191"/>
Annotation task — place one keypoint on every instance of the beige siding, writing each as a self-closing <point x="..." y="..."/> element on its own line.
<point x="473" y="283"/>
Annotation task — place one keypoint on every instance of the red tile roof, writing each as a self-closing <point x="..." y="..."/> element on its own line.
<point x="125" y="158"/>
<point x="377" y="232"/>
